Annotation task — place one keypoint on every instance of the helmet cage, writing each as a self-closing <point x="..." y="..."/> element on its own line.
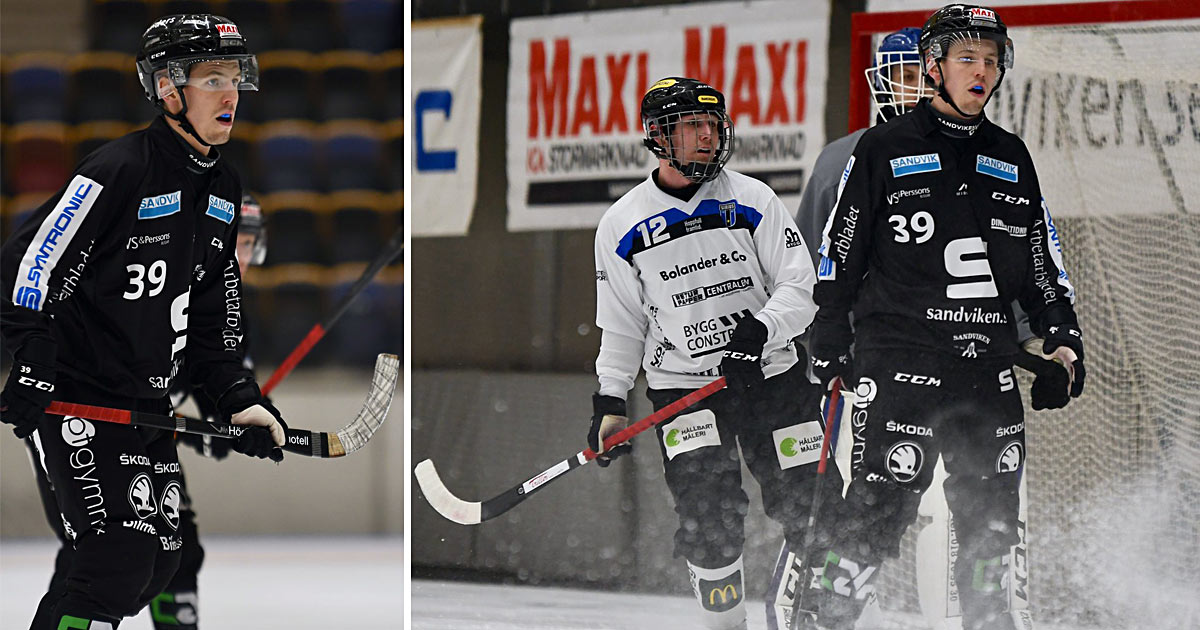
<point x="891" y="96"/>
<point x="661" y="140"/>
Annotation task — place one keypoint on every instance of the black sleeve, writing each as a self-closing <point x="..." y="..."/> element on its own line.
<point x="1046" y="292"/>
<point x="58" y="237"/>
<point x="216" y="346"/>
<point x="845" y="246"/>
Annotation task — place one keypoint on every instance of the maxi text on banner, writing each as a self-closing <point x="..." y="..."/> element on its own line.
<point x="447" y="55"/>
<point x="575" y="83"/>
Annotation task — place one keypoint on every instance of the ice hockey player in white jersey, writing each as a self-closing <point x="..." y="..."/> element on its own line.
<point x="701" y="272"/>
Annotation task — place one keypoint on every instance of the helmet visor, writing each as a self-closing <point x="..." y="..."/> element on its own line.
<point x="215" y="73"/>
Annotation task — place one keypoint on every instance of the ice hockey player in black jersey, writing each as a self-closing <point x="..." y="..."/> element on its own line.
<point x="111" y="287"/>
<point x="701" y="272"/>
<point x="939" y="226"/>
<point x="177" y="607"/>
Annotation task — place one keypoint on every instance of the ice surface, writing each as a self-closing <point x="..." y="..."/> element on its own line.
<point x="301" y="583"/>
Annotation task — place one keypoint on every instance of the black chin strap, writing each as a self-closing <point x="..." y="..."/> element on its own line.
<point x="181" y="117"/>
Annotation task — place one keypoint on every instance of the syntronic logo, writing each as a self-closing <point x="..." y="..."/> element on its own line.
<point x="46" y="248"/>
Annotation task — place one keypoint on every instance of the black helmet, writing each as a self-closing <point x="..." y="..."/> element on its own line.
<point x="176" y="42"/>
<point x="254" y="222"/>
<point x="955" y="22"/>
<point x="666" y="103"/>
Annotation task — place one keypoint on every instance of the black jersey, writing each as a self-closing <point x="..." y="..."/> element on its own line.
<point x="131" y="270"/>
<point x="932" y="239"/>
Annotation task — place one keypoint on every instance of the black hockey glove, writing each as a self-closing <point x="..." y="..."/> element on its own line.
<point x="831" y="365"/>
<point x="30" y="387"/>
<point x="1051" y="387"/>
<point x="608" y="417"/>
<point x="1068" y="335"/>
<point x="256" y="441"/>
<point x="742" y="362"/>
<point x="238" y="405"/>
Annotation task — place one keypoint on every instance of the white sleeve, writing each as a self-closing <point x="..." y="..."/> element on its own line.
<point x="618" y="362"/>
<point x="789" y="275"/>
<point x="619" y="315"/>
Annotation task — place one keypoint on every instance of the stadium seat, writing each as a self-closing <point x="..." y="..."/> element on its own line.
<point x="176" y="7"/>
<point x="18" y="209"/>
<point x="294" y="228"/>
<point x="310" y="25"/>
<point x="103" y="86"/>
<point x="362" y="331"/>
<point x="238" y="150"/>
<point x="285" y="79"/>
<point x="35" y="87"/>
<point x="255" y="20"/>
<point x="286" y="157"/>
<point x="91" y="136"/>
<point x="297" y="302"/>
<point x="117" y="25"/>
<point x="393" y="78"/>
<point x="41" y="159"/>
<point x="361" y="223"/>
<point x="353" y="155"/>
<point x="394" y="134"/>
<point x="350" y="85"/>
<point x="373" y="25"/>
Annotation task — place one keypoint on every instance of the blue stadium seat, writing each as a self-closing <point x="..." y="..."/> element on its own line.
<point x="41" y="159"/>
<point x="103" y="86"/>
<point x="256" y="21"/>
<point x="353" y="155"/>
<point x="361" y="223"/>
<point x="91" y="136"/>
<point x="393" y="79"/>
<point x="18" y="209"/>
<point x="294" y="228"/>
<point x="117" y="25"/>
<point x="362" y="332"/>
<point x="298" y="300"/>
<point x="350" y="85"/>
<point x="394" y="135"/>
<point x="237" y="152"/>
<point x="286" y="157"/>
<point x="35" y="87"/>
<point x="373" y="25"/>
<point x="310" y="25"/>
<point x="285" y="79"/>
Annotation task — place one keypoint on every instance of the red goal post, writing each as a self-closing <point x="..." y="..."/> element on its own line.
<point x="864" y="27"/>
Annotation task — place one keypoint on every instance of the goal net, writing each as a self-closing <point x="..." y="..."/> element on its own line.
<point x="1107" y="98"/>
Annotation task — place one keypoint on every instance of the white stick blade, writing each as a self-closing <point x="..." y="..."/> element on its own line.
<point x="438" y="496"/>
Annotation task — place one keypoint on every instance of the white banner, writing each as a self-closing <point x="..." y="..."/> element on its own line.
<point x="576" y="81"/>
<point x="446" y="58"/>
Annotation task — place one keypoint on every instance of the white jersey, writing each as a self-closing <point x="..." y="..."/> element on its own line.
<point x="678" y="276"/>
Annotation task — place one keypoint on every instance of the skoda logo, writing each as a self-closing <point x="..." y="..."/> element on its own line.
<point x="904" y="461"/>
<point x="1011" y="458"/>
<point x="141" y="496"/>
<point x="170" y="504"/>
<point x="77" y="432"/>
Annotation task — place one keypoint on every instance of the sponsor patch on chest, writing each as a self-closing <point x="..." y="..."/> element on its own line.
<point x="159" y="206"/>
<point x="996" y="168"/>
<point x="913" y="164"/>
<point x="220" y="209"/>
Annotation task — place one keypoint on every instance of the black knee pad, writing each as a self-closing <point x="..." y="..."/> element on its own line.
<point x="112" y="572"/>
